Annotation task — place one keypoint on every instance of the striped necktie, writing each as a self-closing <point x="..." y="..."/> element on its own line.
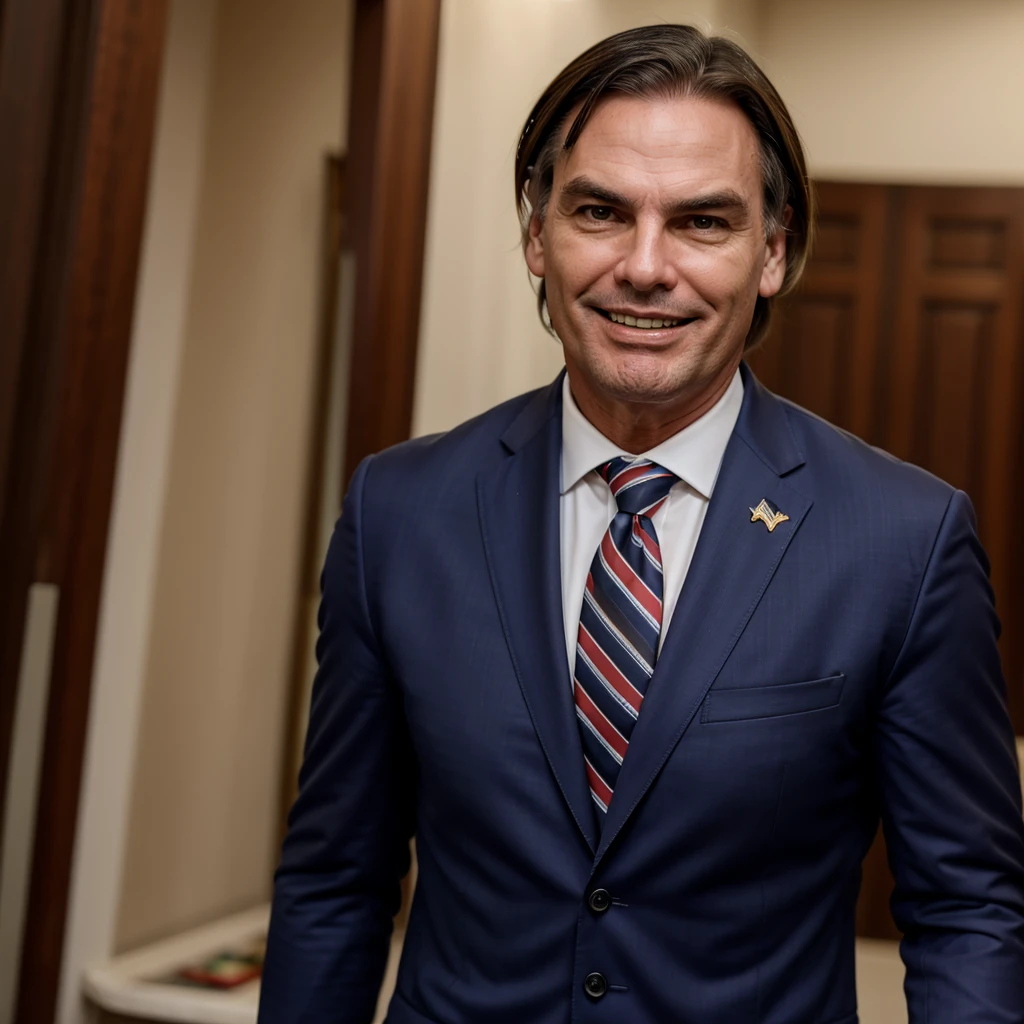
<point x="620" y="622"/>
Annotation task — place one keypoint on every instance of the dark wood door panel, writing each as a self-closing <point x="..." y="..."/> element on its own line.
<point x="824" y="344"/>
<point x="815" y="361"/>
<point x="942" y="417"/>
<point x="959" y="243"/>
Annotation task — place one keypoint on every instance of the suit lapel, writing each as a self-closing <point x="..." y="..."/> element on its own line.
<point x="519" y="515"/>
<point x="733" y="564"/>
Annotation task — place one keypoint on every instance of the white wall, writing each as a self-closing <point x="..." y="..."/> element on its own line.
<point x="916" y="90"/>
<point x="480" y="340"/>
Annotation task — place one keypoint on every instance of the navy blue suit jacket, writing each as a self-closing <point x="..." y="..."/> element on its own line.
<point x="838" y="669"/>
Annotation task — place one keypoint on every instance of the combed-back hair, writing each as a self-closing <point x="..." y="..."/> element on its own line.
<point x="666" y="61"/>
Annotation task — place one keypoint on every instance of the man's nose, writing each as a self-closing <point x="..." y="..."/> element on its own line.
<point x="646" y="264"/>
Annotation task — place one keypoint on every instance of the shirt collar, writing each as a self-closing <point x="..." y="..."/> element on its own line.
<point x="694" y="454"/>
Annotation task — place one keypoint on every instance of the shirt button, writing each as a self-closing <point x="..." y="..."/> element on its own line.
<point x="594" y="985"/>
<point x="600" y="901"/>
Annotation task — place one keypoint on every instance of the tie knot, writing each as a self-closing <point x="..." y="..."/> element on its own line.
<point x="638" y="485"/>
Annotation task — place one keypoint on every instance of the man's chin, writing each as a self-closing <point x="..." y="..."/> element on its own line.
<point x="651" y="382"/>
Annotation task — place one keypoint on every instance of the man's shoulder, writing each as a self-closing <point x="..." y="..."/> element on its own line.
<point x="456" y="455"/>
<point x="846" y="468"/>
<point x="870" y="509"/>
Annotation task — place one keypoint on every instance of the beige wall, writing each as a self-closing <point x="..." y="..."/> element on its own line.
<point x="178" y="815"/>
<point x="204" y="808"/>
<point x="147" y="430"/>
<point x="919" y="90"/>
<point x="480" y="341"/>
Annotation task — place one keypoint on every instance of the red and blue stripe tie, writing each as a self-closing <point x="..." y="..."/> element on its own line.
<point x="620" y="622"/>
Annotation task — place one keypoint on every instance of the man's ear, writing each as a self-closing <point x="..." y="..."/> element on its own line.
<point x="774" y="271"/>
<point x="535" y="247"/>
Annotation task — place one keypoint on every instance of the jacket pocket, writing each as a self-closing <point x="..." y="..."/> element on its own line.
<point x="742" y="703"/>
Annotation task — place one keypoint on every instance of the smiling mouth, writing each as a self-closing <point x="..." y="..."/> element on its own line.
<point x="645" y="323"/>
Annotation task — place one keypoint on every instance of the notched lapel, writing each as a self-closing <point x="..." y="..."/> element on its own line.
<point x="733" y="564"/>
<point x="519" y="517"/>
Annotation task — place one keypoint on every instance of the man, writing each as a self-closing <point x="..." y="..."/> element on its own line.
<point x="642" y="657"/>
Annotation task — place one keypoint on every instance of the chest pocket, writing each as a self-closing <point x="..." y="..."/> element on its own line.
<point x="744" y="703"/>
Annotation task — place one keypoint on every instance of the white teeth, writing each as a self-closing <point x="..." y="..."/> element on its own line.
<point x="642" y="322"/>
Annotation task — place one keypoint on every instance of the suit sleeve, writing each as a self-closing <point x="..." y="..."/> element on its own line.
<point x="950" y="790"/>
<point x="337" y="887"/>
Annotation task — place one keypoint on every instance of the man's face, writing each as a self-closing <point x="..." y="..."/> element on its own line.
<point x="656" y="215"/>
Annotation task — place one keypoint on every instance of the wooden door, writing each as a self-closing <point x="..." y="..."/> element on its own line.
<point x="824" y="345"/>
<point x="78" y="89"/>
<point x="908" y="330"/>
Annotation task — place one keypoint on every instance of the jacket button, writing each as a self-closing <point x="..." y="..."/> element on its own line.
<point x="594" y="985"/>
<point x="600" y="901"/>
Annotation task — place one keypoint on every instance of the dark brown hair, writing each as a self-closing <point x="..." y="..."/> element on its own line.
<point x="671" y="60"/>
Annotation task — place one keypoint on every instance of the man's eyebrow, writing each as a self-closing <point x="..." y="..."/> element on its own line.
<point x="583" y="187"/>
<point x="726" y="199"/>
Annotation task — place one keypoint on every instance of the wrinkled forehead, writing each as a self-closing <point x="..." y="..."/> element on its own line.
<point x="662" y="139"/>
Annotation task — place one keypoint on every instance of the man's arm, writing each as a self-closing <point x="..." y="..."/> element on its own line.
<point x="337" y="887"/>
<point x="951" y="802"/>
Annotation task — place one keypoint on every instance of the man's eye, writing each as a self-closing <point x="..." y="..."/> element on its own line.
<point x="702" y="223"/>
<point x="598" y="212"/>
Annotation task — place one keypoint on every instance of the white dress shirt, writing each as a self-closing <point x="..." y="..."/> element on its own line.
<point x="586" y="505"/>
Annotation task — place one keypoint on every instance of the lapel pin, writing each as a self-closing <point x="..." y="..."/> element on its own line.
<point x="769" y="516"/>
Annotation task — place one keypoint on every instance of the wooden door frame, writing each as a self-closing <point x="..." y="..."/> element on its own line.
<point x="376" y="199"/>
<point x="391" y="116"/>
<point x="34" y="201"/>
<point x="78" y="91"/>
